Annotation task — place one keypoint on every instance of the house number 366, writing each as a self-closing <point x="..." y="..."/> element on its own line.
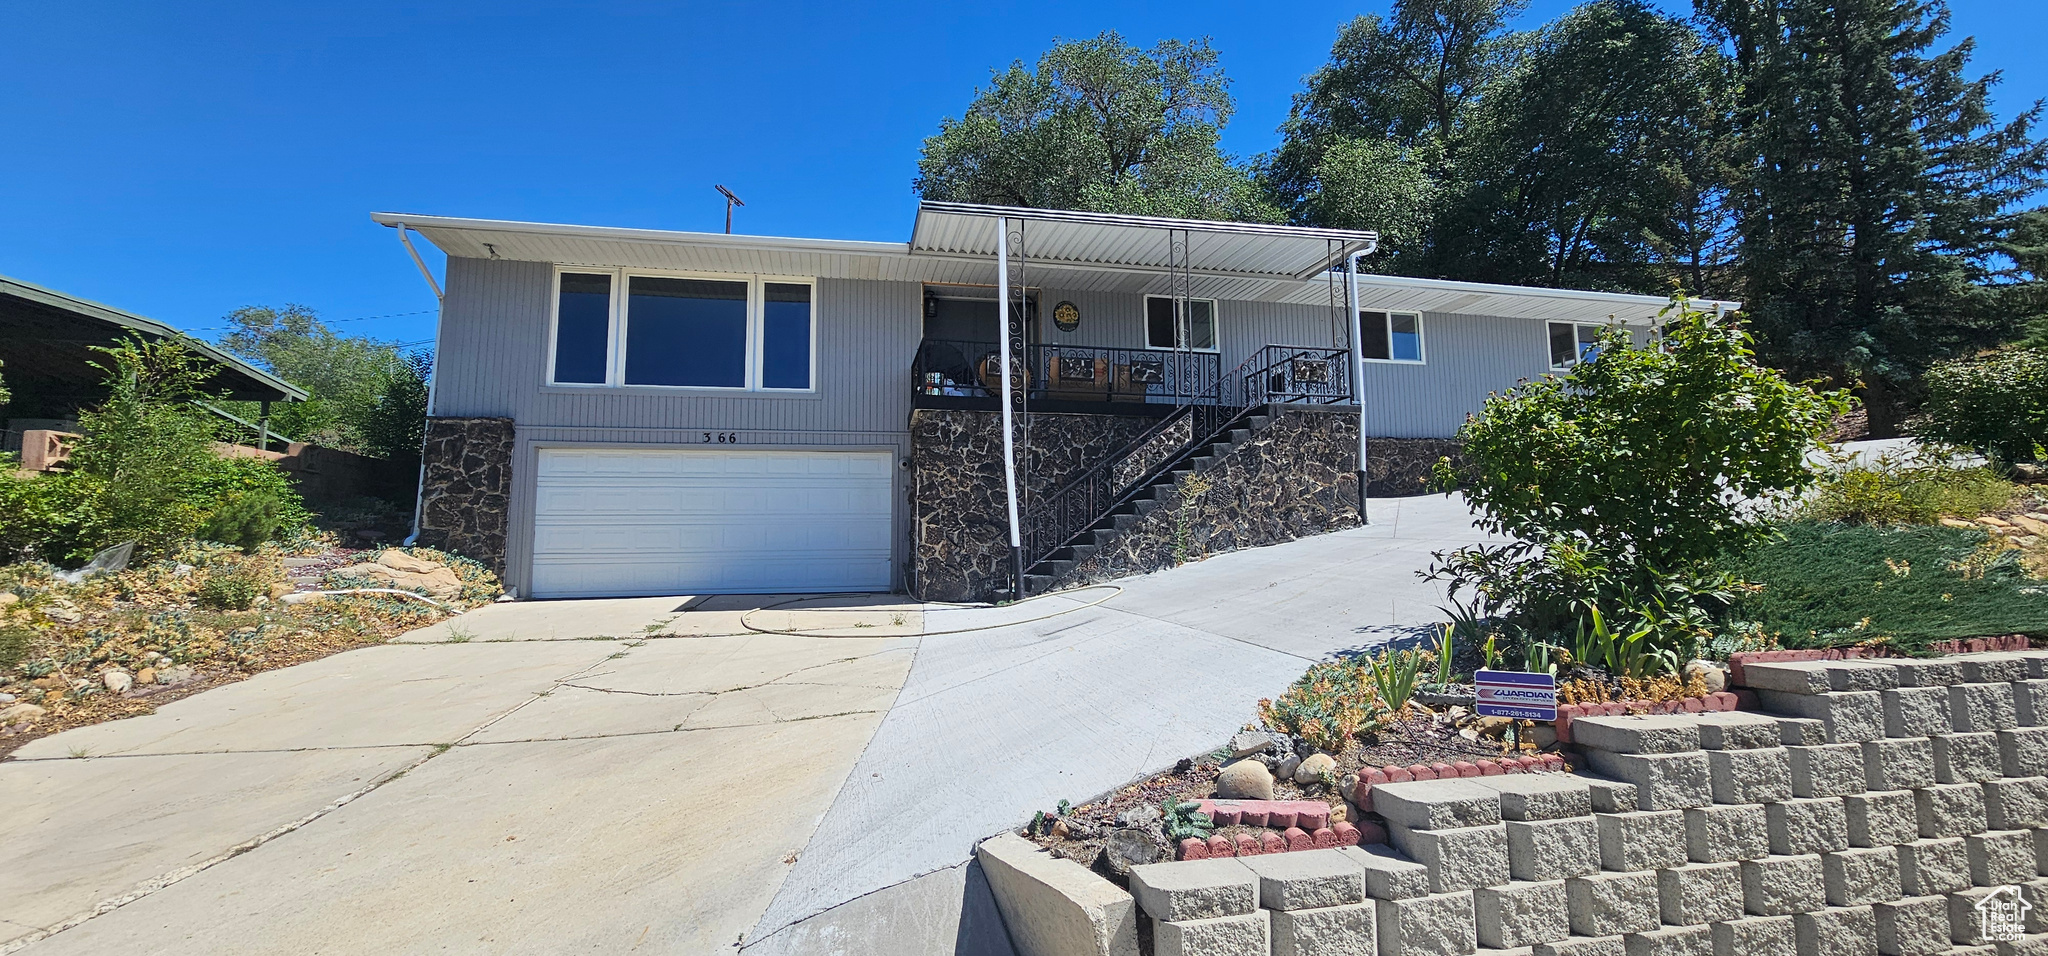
<point x="722" y="438"/>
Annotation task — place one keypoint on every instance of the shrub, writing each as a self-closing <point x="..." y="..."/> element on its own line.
<point x="1623" y="480"/>
<point x="1324" y="706"/>
<point x="230" y="591"/>
<point x="1897" y="489"/>
<point x="244" y="519"/>
<point x="14" y="646"/>
<point x="1996" y="405"/>
<point x="247" y="501"/>
<point x="1835" y="584"/>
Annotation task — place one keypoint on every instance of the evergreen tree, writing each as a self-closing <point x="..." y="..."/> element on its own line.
<point x="1877" y="197"/>
<point x="1599" y="161"/>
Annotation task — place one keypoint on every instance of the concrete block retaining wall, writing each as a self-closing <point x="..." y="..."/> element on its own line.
<point x="1876" y="806"/>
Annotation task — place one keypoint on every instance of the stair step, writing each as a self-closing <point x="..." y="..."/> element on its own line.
<point x="1083" y="552"/>
<point x="1101" y="536"/>
<point x="1037" y="583"/>
<point x="1121" y="519"/>
<point x="1203" y="463"/>
<point x="1239" y="436"/>
<point x="1259" y="422"/>
<point x="1146" y="506"/>
<point x="1056" y="566"/>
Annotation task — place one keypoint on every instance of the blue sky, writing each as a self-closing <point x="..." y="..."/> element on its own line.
<point x="181" y="160"/>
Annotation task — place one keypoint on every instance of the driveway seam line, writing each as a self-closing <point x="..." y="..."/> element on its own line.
<point x="154" y="884"/>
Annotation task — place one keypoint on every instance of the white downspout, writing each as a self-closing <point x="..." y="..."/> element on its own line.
<point x="1003" y="396"/>
<point x="419" y="494"/>
<point x="1358" y="363"/>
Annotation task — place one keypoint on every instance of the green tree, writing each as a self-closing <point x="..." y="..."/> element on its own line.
<point x="394" y="426"/>
<point x="1378" y="133"/>
<point x="346" y="376"/>
<point x="1995" y="404"/>
<point x="1877" y="192"/>
<point x="1099" y="125"/>
<point x="1598" y="161"/>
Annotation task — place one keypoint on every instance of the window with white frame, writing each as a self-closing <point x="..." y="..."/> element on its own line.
<point x="1572" y="343"/>
<point x="1162" y="331"/>
<point x="726" y="332"/>
<point x="1390" y="336"/>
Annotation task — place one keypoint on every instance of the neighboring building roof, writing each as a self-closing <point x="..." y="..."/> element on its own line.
<point x="1069" y="251"/>
<point x="48" y="335"/>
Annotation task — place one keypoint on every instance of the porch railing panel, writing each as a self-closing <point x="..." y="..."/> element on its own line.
<point x="967" y="369"/>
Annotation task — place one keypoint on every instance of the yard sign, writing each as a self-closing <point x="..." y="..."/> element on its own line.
<point x="1517" y="695"/>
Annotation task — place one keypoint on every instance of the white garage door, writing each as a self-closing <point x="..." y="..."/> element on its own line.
<point x="621" y="521"/>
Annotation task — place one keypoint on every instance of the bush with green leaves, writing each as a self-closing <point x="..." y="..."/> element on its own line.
<point x="145" y="469"/>
<point x="1325" y="705"/>
<point x="1906" y="489"/>
<point x="1625" y="479"/>
<point x="230" y="591"/>
<point x="1995" y="404"/>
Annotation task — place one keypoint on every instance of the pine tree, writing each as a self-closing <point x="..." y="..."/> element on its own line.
<point x="1876" y="193"/>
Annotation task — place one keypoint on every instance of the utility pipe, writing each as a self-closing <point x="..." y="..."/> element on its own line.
<point x="1358" y="362"/>
<point x="1003" y="395"/>
<point x="419" y="495"/>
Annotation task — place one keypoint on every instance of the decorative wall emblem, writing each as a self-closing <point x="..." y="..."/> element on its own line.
<point x="1066" y="316"/>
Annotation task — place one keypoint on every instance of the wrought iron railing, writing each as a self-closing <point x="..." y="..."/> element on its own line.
<point x="1275" y="374"/>
<point x="964" y="369"/>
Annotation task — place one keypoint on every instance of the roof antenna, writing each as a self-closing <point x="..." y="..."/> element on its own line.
<point x="730" y="201"/>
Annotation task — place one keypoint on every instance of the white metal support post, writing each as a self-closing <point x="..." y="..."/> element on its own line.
<point x="1003" y="394"/>
<point x="1357" y="372"/>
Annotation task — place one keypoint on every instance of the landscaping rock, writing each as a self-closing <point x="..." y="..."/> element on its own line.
<point x="175" y="675"/>
<point x="1285" y="769"/>
<point x="1713" y="675"/>
<point x="1245" y="780"/>
<point x="116" y="680"/>
<point x="1142" y="816"/>
<point x="1250" y="742"/>
<point x="146" y="676"/>
<point x="439" y="582"/>
<point x="1133" y="847"/>
<point x="20" y="712"/>
<point x="1314" y="768"/>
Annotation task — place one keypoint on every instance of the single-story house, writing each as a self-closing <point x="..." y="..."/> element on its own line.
<point x="634" y="411"/>
<point x="47" y="358"/>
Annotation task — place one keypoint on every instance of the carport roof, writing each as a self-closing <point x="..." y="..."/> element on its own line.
<point x="50" y="335"/>
<point x="1065" y="250"/>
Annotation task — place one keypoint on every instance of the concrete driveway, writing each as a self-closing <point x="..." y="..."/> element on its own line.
<point x="617" y="776"/>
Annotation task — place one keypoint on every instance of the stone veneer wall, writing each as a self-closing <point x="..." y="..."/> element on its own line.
<point x="1880" y="807"/>
<point x="466" y="491"/>
<point x="1291" y="480"/>
<point x="960" y="541"/>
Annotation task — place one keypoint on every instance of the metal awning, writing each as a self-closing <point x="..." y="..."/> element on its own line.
<point x="49" y="337"/>
<point x="1066" y="251"/>
<point x="1091" y="240"/>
